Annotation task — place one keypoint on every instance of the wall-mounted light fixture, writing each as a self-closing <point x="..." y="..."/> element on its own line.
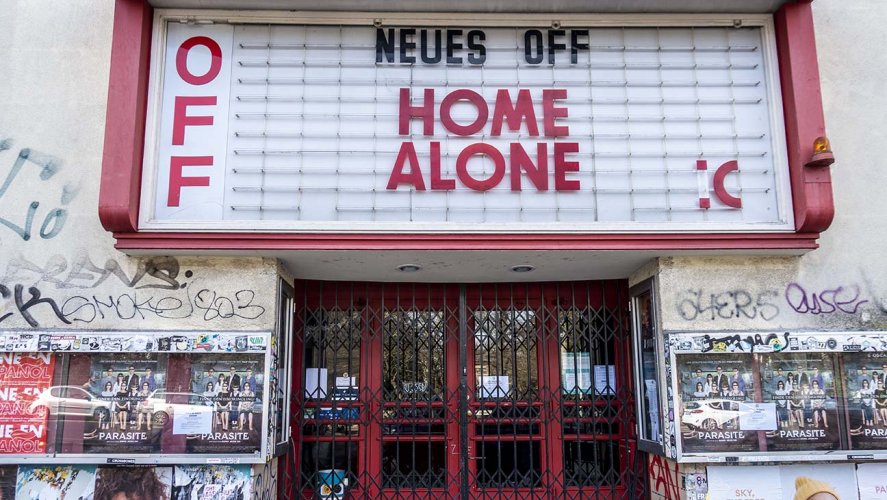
<point x="822" y="153"/>
<point x="522" y="268"/>
<point x="409" y="268"/>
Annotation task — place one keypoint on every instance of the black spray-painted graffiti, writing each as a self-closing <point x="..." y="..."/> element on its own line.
<point x="730" y="304"/>
<point x="209" y="304"/>
<point x="827" y="301"/>
<point x="748" y="343"/>
<point x="24" y="306"/>
<point x="150" y="273"/>
<point x="53" y="220"/>
<point x="145" y="300"/>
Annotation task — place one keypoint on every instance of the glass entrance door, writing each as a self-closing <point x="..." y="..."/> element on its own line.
<point x="472" y="391"/>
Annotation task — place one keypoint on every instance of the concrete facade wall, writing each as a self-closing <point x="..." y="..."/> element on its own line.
<point x="59" y="270"/>
<point x="55" y="257"/>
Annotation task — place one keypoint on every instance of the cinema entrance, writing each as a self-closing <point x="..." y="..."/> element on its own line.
<point x="462" y="391"/>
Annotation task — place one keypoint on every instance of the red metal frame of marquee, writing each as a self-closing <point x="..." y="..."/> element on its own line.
<point x="125" y="134"/>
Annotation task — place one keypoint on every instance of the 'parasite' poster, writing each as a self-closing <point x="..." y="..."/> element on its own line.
<point x="231" y="386"/>
<point x="130" y="404"/>
<point x="802" y="388"/>
<point x="713" y="390"/>
<point x="866" y="399"/>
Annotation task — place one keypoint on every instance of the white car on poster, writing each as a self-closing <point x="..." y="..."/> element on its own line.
<point x="710" y="414"/>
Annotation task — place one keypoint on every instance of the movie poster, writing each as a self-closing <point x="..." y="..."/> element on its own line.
<point x="25" y="401"/>
<point x="231" y="385"/>
<point x="211" y="482"/>
<point x="114" y="483"/>
<point x="54" y="482"/>
<point x="128" y="388"/>
<point x="866" y="399"/>
<point x="802" y="388"/>
<point x="714" y="389"/>
<point x="784" y="482"/>
<point x="7" y="481"/>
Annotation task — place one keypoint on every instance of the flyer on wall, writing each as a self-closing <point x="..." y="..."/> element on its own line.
<point x="864" y="373"/>
<point x="116" y="483"/>
<point x="131" y="417"/>
<point x="713" y="390"/>
<point x="232" y="386"/>
<point x="54" y="482"/>
<point x="218" y="482"/>
<point x="25" y="379"/>
<point x="802" y="388"/>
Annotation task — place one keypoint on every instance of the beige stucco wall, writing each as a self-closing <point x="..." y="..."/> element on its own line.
<point x="843" y="284"/>
<point x="53" y="91"/>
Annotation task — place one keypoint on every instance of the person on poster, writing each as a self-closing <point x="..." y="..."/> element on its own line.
<point x="108" y="396"/>
<point x="778" y="377"/>
<point x="234" y="413"/>
<point x="867" y="402"/>
<point x="251" y="380"/>
<point x="248" y="401"/>
<point x="223" y="405"/>
<point x="817" y="377"/>
<point x="721" y="378"/>
<point x="863" y="376"/>
<point x="736" y="393"/>
<point x="129" y="483"/>
<point x="132" y="377"/>
<point x="790" y="382"/>
<point x="233" y="378"/>
<point x="150" y="380"/>
<point x="811" y="489"/>
<point x="881" y="403"/>
<point x="806" y="404"/>
<point x="121" y="405"/>
<point x="796" y="407"/>
<point x="817" y="404"/>
<point x="725" y="390"/>
<point x="133" y="399"/>
<point x="737" y="379"/>
<point x="781" y="396"/>
<point x="700" y="392"/>
<point x="144" y="406"/>
<point x="209" y="395"/>
<point x="120" y="384"/>
<point x="698" y="379"/>
<point x="803" y="378"/>
<point x="709" y="386"/>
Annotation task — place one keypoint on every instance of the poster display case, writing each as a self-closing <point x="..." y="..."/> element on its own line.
<point x="134" y="397"/>
<point x="777" y="396"/>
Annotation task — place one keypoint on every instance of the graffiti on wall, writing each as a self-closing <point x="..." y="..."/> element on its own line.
<point x="728" y="304"/>
<point x="157" y="288"/>
<point x="664" y="478"/>
<point x="21" y="219"/>
<point x="828" y="300"/>
<point x="699" y="304"/>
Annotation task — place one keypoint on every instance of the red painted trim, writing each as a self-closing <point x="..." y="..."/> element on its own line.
<point x="124" y="142"/>
<point x="125" y="118"/>
<point x="326" y="241"/>
<point x="802" y="102"/>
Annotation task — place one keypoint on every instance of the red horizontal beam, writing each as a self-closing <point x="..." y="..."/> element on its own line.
<point x="338" y="241"/>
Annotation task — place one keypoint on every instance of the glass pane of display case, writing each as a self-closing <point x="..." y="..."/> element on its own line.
<point x="713" y="391"/>
<point x="647" y="366"/>
<point x="801" y="388"/>
<point x="146" y="395"/>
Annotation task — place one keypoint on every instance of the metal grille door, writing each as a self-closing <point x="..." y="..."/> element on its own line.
<point x="472" y="391"/>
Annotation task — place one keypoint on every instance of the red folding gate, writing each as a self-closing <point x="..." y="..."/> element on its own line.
<point x="462" y="391"/>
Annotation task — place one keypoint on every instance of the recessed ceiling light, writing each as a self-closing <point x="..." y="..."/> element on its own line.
<point x="408" y="268"/>
<point x="522" y="268"/>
